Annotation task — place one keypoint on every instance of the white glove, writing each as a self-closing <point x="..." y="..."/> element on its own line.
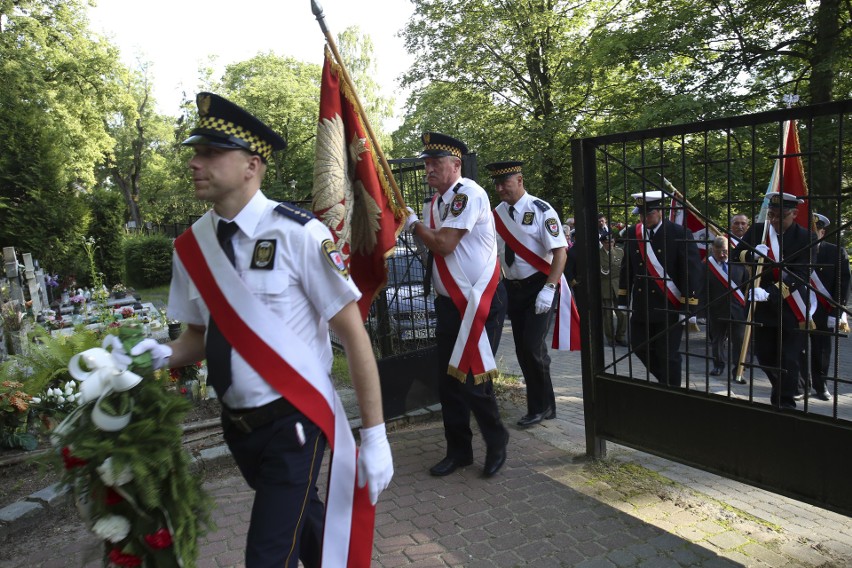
<point x="762" y="250"/>
<point x="375" y="464"/>
<point x="758" y="295"/>
<point x="160" y="352"/>
<point x="412" y="218"/>
<point x="693" y="320"/>
<point x="544" y="300"/>
<point x="831" y="322"/>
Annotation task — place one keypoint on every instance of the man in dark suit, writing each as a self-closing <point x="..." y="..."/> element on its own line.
<point x="830" y="279"/>
<point x="780" y="293"/>
<point x="726" y="305"/>
<point x="660" y="276"/>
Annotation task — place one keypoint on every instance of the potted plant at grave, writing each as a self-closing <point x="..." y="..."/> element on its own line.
<point x="119" y="291"/>
<point x="77" y="303"/>
<point x="185" y="380"/>
<point x="14" y="410"/>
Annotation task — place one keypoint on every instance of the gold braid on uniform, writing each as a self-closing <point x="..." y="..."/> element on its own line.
<point x="461" y="376"/>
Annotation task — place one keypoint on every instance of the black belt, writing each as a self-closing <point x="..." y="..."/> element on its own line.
<point x="525" y="281"/>
<point x="248" y="419"/>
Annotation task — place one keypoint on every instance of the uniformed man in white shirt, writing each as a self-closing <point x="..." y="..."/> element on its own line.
<point x="533" y="242"/>
<point x="458" y="229"/>
<point x="263" y="325"/>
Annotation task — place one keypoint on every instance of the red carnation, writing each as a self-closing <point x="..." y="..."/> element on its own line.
<point x="120" y="558"/>
<point x="159" y="540"/>
<point x="113" y="497"/>
<point x="71" y="461"/>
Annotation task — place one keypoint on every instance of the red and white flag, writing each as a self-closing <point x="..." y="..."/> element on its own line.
<point x="351" y="193"/>
<point x="788" y="176"/>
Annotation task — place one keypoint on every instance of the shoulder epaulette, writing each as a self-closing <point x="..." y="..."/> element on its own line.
<point x="541" y="204"/>
<point x="301" y="216"/>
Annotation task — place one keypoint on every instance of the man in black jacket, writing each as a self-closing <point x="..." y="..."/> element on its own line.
<point x="830" y="279"/>
<point x="726" y="305"/>
<point x="660" y="276"/>
<point x="783" y="250"/>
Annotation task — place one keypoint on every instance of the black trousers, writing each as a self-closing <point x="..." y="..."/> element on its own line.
<point x="720" y="332"/>
<point x="815" y="370"/>
<point x="781" y="364"/>
<point x="287" y="516"/>
<point x="529" y="330"/>
<point x="660" y="354"/>
<point x="460" y="399"/>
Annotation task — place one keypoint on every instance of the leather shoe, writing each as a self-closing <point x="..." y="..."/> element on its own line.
<point x="530" y="419"/>
<point x="824" y="395"/>
<point x="448" y="465"/>
<point x="787" y="405"/>
<point x="716" y="371"/>
<point x="550" y="413"/>
<point x="621" y="342"/>
<point x="494" y="460"/>
<point x="799" y="396"/>
<point x="740" y="380"/>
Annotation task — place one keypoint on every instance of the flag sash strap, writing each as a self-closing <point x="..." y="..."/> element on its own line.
<point x="279" y="358"/>
<point x="717" y="271"/>
<point x="655" y="268"/>
<point x="565" y="336"/>
<point x="822" y="294"/>
<point x="471" y="352"/>
<point x="794" y="299"/>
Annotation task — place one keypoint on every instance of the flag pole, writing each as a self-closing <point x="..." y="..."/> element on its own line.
<point x="320" y="16"/>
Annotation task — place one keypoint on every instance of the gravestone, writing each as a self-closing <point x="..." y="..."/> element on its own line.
<point x="10" y="261"/>
<point x="34" y="286"/>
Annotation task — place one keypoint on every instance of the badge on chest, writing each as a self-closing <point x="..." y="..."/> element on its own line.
<point x="263" y="257"/>
<point x="528" y="219"/>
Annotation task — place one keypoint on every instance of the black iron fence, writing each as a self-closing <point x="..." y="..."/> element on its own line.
<point x="710" y="172"/>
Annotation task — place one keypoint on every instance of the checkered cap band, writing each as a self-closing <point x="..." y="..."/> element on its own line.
<point x="257" y="145"/>
<point x="504" y="171"/>
<point x="444" y="148"/>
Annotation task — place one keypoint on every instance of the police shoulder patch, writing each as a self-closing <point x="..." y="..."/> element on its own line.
<point x="334" y="258"/>
<point x="458" y="204"/>
<point x="552" y="226"/>
<point x="263" y="257"/>
<point x="297" y="214"/>
<point x="541" y="204"/>
<point x="528" y="219"/>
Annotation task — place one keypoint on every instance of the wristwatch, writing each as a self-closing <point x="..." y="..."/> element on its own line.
<point x="550" y="285"/>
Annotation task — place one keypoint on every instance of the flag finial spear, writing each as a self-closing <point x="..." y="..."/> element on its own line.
<point x="790" y="100"/>
<point x="317" y="10"/>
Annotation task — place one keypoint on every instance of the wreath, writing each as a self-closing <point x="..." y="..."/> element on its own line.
<point x="120" y="453"/>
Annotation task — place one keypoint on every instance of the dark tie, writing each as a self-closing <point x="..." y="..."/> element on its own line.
<point x="650" y="234"/>
<point x="725" y="267"/>
<point x="217" y="348"/>
<point x="509" y="253"/>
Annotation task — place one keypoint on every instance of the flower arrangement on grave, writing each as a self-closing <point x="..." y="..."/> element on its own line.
<point x="183" y="377"/>
<point x="14" y="409"/>
<point x="127" y="313"/>
<point x="121" y="454"/>
<point x="119" y="290"/>
<point x="55" y="403"/>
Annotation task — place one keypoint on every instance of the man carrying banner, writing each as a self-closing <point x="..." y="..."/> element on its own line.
<point x="532" y="250"/>
<point x="781" y="293"/>
<point x="726" y="304"/>
<point x="259" y="284"/>
<point x="660" y="277"/>
<point x="830" y="280"/>
<point x="458" y="229"/>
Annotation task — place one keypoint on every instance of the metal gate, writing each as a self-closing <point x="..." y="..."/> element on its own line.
<point x="718" y="168"/>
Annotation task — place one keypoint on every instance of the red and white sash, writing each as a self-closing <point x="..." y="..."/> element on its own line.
<point x="794" y="299"/>
<point x="471" y="352"/>
<point x="822" y="294"/>
<point x="566" y="329"/>
<point x="725" y="279"/>
<point x="279" y="357"/>
<point x="656" y="269"/>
